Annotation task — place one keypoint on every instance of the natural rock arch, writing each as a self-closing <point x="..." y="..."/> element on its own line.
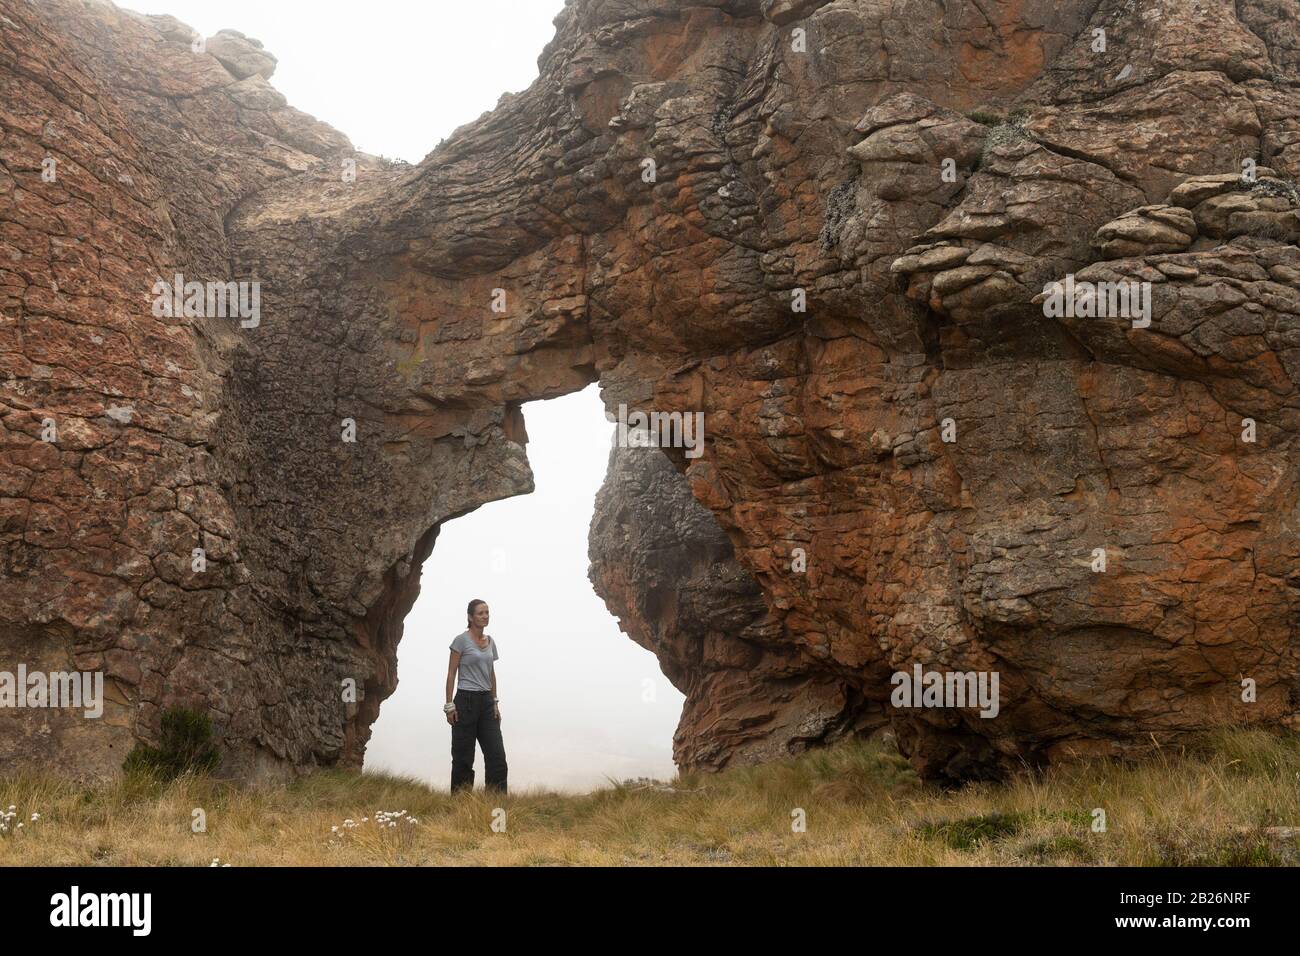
<point x="782" y="162"/>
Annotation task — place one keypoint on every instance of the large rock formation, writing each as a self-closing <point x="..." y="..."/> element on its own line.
<point x="665" y="568"/>
<point x="828" y="226"/>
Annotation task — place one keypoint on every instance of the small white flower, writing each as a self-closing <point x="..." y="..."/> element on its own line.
<point x="35" y="817"/>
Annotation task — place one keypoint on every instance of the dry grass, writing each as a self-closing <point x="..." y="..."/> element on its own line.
<point x="863" y="805"/>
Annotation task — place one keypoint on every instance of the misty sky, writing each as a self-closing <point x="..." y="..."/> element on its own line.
<point x="581" y="702"/>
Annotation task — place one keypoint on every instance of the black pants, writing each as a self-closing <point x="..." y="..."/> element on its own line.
<point x="476" y="720"/>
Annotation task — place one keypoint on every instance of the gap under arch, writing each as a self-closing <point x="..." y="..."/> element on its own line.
<point x="580" y="702"/>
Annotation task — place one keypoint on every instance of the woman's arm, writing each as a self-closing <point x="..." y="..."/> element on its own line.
<point x="452" y="664"/>
<point x="496" y="711"/>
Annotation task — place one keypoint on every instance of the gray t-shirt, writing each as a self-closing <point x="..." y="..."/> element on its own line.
<point x="475" y="670"/>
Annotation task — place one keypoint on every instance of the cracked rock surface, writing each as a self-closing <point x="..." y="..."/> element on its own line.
<point x="949" y="458"/>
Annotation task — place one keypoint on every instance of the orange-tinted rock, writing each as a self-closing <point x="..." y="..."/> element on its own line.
<point x="947" y="456"/>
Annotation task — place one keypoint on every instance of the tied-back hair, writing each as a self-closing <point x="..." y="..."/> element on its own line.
<point x="469" y="611"/>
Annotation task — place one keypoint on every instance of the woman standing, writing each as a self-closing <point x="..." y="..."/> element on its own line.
<point x="473" y="712"/>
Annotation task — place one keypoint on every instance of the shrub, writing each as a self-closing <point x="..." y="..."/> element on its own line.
<point x="185" y="747"/>
<point x="968" y="833"/>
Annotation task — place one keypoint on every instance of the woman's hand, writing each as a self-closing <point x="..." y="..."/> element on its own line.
<point x="451" y="716"/>
<point x="496" y="711"/>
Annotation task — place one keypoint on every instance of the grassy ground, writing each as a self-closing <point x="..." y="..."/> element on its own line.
<point x="1209" y="805"/>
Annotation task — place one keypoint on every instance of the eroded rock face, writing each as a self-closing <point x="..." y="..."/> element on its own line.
<point x="666" y="570"/>
<point x="242" y="56"/>
<point x="950" y="458"/>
